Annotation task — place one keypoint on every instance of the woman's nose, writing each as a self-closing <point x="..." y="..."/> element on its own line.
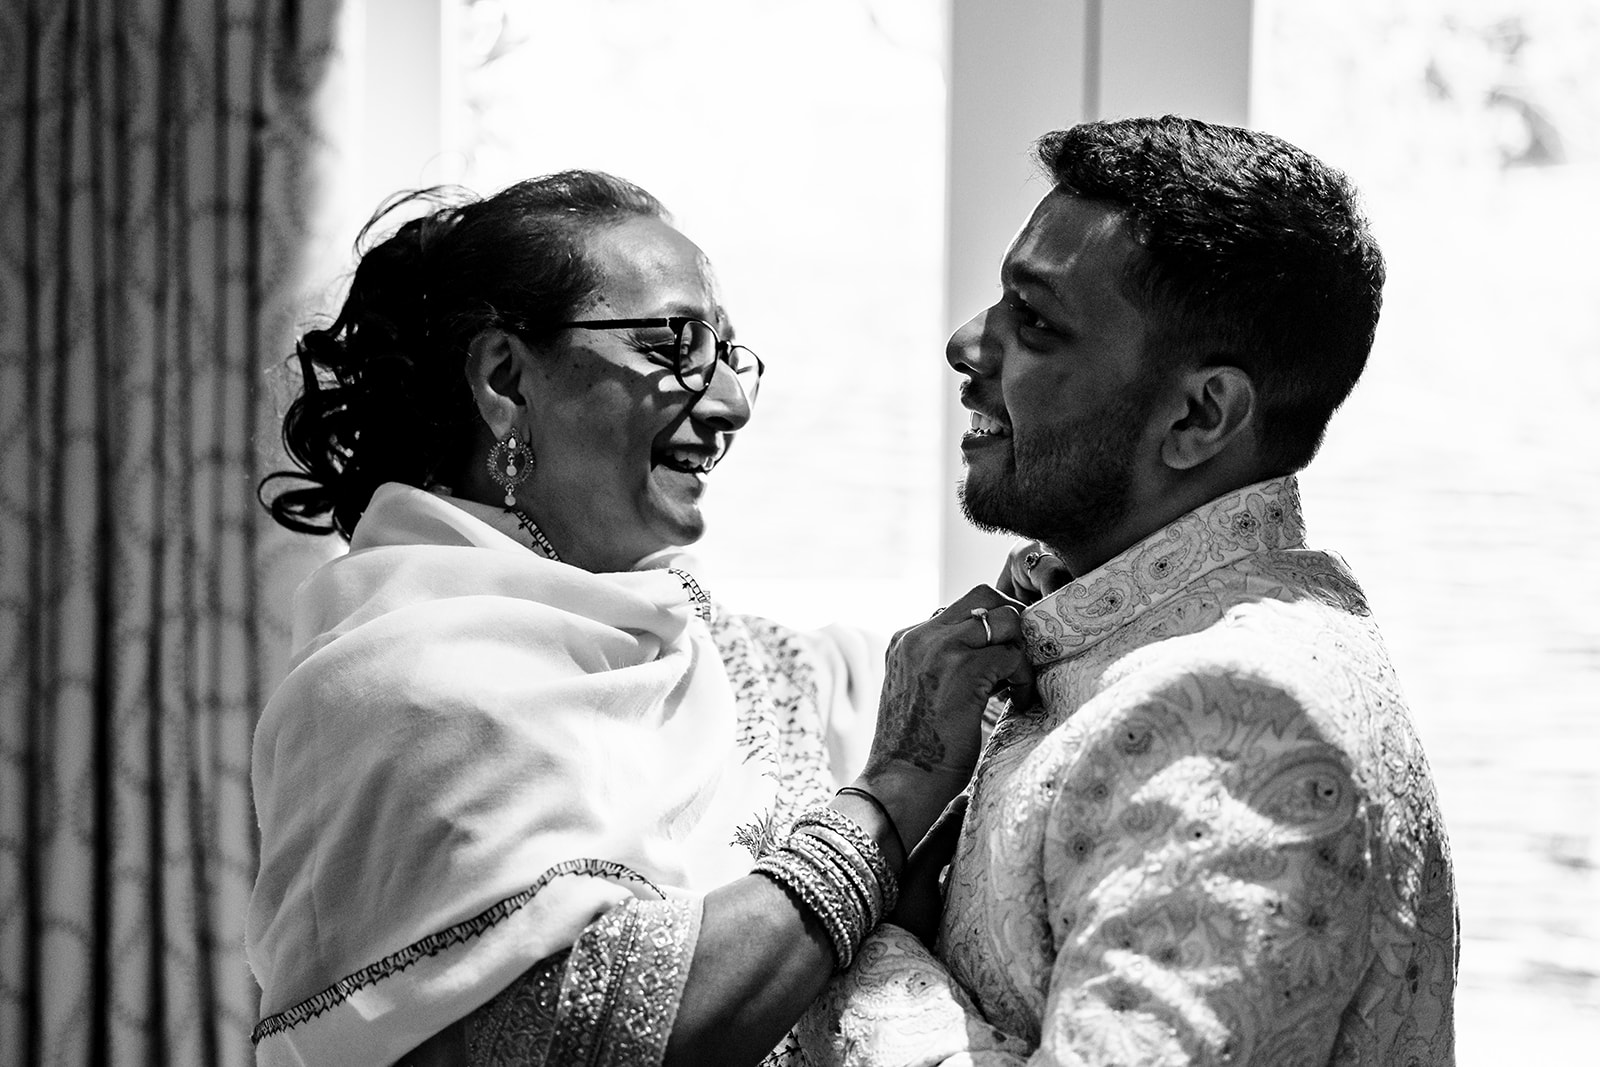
<point x="724" y="404"/>
<point x="965" y="350"/>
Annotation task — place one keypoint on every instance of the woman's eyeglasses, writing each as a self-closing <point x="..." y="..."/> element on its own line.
<point x="697" y="350"/>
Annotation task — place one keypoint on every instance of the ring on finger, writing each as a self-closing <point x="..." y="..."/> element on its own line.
<point x="1033" y="559"/>
<point x="982" y="615"/>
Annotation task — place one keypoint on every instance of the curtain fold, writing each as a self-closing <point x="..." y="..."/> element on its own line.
<point x="156" y="187"/>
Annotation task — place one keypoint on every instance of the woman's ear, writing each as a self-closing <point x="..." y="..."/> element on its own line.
<point x="497" y="367"/>
<point x="1220" y="403"/>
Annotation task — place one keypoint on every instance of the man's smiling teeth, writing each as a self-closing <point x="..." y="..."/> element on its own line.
<point x="984" y="426"/>
<point x="688" y="461"/>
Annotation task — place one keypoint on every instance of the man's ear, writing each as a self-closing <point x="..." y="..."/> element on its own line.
<point x="497" y="368"/>
<point x="1219" y="405"/>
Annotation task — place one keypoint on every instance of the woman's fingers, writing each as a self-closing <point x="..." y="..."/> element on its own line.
<point x="1000" y="628"/>
<point x="978" y="636"/>
<point x="1001" y="625"/>
<point x="979" y="596"/>
<point x="939" y="678"/>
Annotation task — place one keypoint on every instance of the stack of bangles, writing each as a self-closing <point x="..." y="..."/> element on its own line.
<point x="837" y="871"/>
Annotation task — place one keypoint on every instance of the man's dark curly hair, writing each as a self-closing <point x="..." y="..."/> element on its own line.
<point x="1255" y="255"/>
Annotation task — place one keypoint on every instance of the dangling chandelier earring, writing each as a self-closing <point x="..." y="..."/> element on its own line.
<point x="510" y="463"/>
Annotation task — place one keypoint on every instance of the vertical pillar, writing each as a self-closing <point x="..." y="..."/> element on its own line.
<point x="408" y="95"/>
<point x="1018" y="68"/>
<point x="1189" y="57"/>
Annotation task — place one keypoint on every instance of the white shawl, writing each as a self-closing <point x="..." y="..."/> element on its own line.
<point x="463" y="716"/>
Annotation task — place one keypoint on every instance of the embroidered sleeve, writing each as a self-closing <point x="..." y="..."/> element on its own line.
<point x="821" y="688"/>
<point x="1208" y="879"/>
<point x="775" y="680"/>
<point x="611" y="999"/>
<point x="848" y="686"/>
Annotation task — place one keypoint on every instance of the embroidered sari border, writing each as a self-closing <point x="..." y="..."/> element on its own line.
<point x="623" y="984"/>
<point x="436" y="943"/>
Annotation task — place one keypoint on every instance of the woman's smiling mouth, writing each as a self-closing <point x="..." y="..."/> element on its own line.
<point x="687" y="460"/>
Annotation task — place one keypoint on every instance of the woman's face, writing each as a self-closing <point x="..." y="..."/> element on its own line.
<point x="620" y="455"/>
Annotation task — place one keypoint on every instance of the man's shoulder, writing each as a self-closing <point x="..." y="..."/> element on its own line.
<point x="1294" y="620"/>
<point x="1230" y="672"/>
<point x="1310" y="590"/>
<point x="1283" y="645"/>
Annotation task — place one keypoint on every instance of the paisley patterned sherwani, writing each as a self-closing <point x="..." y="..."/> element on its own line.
<point x="1217" y="841"/>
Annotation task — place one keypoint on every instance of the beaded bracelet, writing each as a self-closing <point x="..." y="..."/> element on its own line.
<point x="823" y="899"/>
<point x="828" y="865"/>
<point x="834" y="868"/>
<point x="851" y="865"/>
<point x="882" y="810"/>
<point x="851" y="831"/>
<point x="821" y="863"/>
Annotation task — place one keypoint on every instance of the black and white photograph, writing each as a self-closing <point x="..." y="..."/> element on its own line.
<point x="1151" y="617"/>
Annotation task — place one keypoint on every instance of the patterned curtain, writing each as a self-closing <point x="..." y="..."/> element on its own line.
<point x="156" y="166"/>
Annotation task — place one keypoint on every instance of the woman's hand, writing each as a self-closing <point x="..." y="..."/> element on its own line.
<point x="1032" y="571"/>
<point x="762" y="956"/>
<point x="939" y="678"/>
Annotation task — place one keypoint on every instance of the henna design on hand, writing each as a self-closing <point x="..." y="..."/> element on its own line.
<point x="906" y="729"/>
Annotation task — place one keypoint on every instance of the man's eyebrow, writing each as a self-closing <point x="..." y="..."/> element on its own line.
<point x="1021" y="275"/>
<point x="1016" y="275"/>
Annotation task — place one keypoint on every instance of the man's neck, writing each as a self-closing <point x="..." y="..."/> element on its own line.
<point x="1151" y="512"/>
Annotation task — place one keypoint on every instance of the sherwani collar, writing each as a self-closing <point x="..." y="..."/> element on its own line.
<point x="1260" y="517"/>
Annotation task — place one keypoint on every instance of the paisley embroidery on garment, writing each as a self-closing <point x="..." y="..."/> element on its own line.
<point x="898" y="1002"/>
<point x="1218" y="841"/>
<point x="1266" y="515"/>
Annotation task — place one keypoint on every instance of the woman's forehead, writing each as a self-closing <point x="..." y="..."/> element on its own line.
<point x="647" y="267"/>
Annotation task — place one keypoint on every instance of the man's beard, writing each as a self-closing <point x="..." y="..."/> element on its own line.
<point x="1067" y="489"/>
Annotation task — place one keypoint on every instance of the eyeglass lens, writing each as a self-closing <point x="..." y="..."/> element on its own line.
<point x="698" y="353"/>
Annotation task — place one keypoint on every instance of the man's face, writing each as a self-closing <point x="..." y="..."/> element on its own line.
<point x="1055" y="378"/>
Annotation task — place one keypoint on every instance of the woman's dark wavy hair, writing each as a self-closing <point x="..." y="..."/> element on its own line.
<point x="1255" y="254"/>
<point x="384" y="396"/>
